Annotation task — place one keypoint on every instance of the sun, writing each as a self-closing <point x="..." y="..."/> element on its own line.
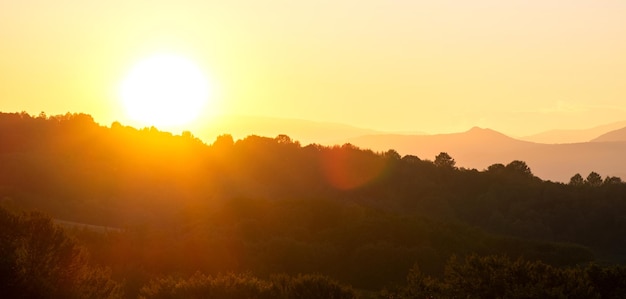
<point x="165" y="90"/>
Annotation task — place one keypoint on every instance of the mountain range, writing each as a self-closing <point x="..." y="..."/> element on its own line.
<point x="479" y="148"/>
<point x="560" y="155"/>
<point x="573" y="136"/>
<point x="612" y="136"/>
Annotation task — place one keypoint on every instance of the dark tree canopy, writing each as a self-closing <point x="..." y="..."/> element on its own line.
<point x="613" y="180"/>
<point x="39" y="260"/>
<point x="444" y="160"/>
<point x="265" y="205"/>
<point x="411" y="159"/>
<point x="594" y="179"/>
<point x="392" y="154"/>
<point x="498" y="167"/>
<point x="519" y="167"/>
<point x="577" y="180"/>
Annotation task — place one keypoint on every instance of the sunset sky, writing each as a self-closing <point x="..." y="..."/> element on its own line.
<point x="519" y="67"/>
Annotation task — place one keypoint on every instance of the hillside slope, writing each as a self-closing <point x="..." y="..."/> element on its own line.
<point x="480" y="148"/>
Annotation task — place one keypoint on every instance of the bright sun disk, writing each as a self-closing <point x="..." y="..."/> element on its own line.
<point x="165" y="91"/>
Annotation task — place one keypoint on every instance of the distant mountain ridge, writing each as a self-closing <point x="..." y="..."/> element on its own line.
<point x="473" y="140"/>
<point x="573" y="136"/>
<point x="479" y="148"/>
<point x="305" y="131"/>
<point x="558" y="159"/>
<point x="328" y="133"/>
<point x="613" y="136"/>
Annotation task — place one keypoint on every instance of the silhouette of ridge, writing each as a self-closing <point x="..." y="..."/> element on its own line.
<point x="573" y="136"/>
<point x="612" y="136"/>
<point x="479" y="148"/>
<point x="305" y="131"/>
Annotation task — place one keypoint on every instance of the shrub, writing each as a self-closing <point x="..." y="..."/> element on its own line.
<point x="38" y="260"/>
<point x="246" y="286"/>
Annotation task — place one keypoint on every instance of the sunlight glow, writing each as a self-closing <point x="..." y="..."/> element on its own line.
<point x="165" y="91"/>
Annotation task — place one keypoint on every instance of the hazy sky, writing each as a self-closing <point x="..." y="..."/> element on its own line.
<point x="519" y="67"/>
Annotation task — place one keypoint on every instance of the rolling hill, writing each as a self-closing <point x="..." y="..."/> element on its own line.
<point x="479" y="148"/>
<point x="554" y="155"/>
<point x="618" y="135"/>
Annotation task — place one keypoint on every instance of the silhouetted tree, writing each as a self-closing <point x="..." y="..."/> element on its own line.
<point x="411" y="159"/>
<point x="38" y="260"/>
<point x="444" y="160"/>
<point x="519" y="167"/>
<point x="594" y="179"/>
<point x="282" y="138"/>
<point x="576" y="180"/>
<point x="224" y="141"/>
<point x="612" y="180"/>
<point x="496" y="168"/>
<point x="392" y="155"/>
<point x="350" y="146"/>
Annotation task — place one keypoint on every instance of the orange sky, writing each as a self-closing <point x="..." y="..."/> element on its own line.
<point x="519" y="67"/>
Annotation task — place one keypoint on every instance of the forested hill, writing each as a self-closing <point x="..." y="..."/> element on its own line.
<point x="357" y="215"/>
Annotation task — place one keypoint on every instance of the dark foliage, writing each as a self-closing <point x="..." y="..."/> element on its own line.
<point x="500" y="277"/>
<point x="38" y="260"/>
<point x="246" y="286"/>
<point x="272" y="205"/>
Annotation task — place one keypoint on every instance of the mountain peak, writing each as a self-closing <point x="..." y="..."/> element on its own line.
<point x="478" y="131"/>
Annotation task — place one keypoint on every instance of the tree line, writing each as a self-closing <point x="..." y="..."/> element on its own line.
<point x="270" y="206"/>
